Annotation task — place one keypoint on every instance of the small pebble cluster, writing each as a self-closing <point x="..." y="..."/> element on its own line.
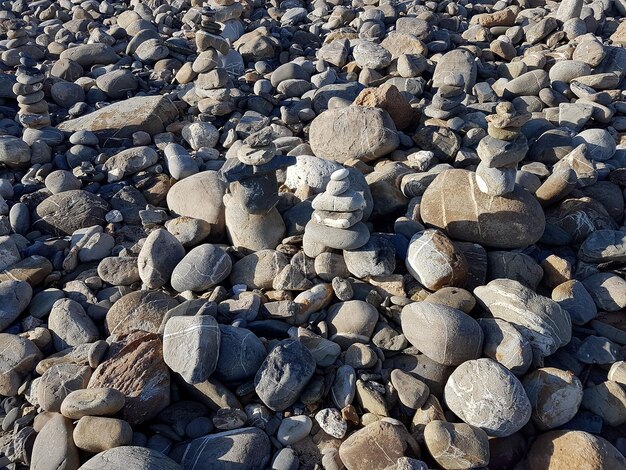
<point x="298" y="235"/>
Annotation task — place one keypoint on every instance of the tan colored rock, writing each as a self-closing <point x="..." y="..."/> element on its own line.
<point x="97" y="434"/>
<point x="567" y="450"/>
<point x="54" y="447"/>
<point x="136" y="368"/>
<point x="92" y="402"/>
<point x="364" y="448"/>
<point x="389" y="98"/>
<point x="142" y="113"/>
<point x="607" y="400"/>
<point x="457" y="445"/>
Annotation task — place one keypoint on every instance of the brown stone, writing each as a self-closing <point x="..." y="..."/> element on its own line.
<point x="136" y="368"/>
<point x="389" y="98"/>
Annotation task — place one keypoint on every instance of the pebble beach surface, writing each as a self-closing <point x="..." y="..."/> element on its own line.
<point x="329" y="234"/>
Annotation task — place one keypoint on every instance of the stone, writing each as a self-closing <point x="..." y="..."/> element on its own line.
<point x="389" y="98"/>
<point x="505" y="344"/>
<point x="607" y="400"/>
<point x="485" y="394"/>
<point x="412" y="392"/>
<point x="139" y="310"/>
<point x="92" y="402"/>
<point x="122" y="270"/>
<point x="241" y="354"/>
<point x="573" y="297"/>
<point x="191" y="347"/>
<point x="200" y="134"/>
<point x="66" y="212"/>
<point x="138" y="371"/>
<point x="14" y="298"/>
<point x="607" y="290"/>
<point x="131" y="161"/>
<point x="564" y="449"/>
<point x="514" y="220"/>
<point x="355" y="132"/>
<point x="602" y="246"/>
<point x="245" y="448"/>
<point x="539" y="319"/>
<point x="155" y="269"/>
<point x="332" y="422"/>
<point x="444" y="334"/>
<point x="97" y="434"/>
<point x="284" y="374"/>
<point x="19" y="358"/>
<point x="601" y="145"/>
<point x="199" y="196"/>
<point x="350" y="322"/>
<point x="70" y="326"/>
<point x="54" y="447"/>
<point x="87" y="55"/>
<point x="188" y="231"/>
<point x="203" y="267"/>
<point x="258" y="270"/>
<point x="362" y="448"/>
<point x="122" y="119"/>
<point x="251" y="231"/>
<point x="59" y="381"/>
<point x="457" y="445"/>
<point x="130" y="458"/>
<point x="434" y="261"/>
<point x="376" y="258"/>
<point x="555" y="396"/>
<point x="14" y="152"/>
<point x="293" y="429"/>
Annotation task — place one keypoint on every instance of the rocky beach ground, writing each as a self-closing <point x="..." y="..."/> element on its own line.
<point x="330" y="234"/>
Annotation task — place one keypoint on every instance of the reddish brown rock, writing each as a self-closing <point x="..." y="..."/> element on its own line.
<point x="389" y="98"/>
<point x="136" y="368"/>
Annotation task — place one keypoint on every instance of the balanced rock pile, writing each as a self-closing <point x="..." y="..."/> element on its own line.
<point x="338" y="234"/>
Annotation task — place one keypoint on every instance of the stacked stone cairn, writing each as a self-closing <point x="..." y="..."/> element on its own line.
<point x="251" y="177"/>
<point x="501" y="150"/>
<point x="448" y="100"/>
<point x="33" y="111"/>
<point x="336" y="220"/>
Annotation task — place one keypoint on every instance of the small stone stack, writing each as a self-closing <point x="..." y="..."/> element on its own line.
<point x="33" y="111"/>
<point x="501" y="150"/>
<point x="448" y="101"/>
<point x="16" y="34"/>
<point x="336" y="221"/>
<point x="252" y="220"/>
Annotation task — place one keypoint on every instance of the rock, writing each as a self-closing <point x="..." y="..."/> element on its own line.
<point x="130" y="161"/>
<point x="444" y="334"/>
<point x="130" y="458"/>
<point x="389" y="98"/>
<point x="200" y="196"/>
<point x="14" y="298"/>
<point x="350" y="322"/>
<point x="155" y="269"/>
<point x="59" y="381"/>
<point x="203" y="267"/>
<point x="293" y="429"/>
<point x="54" y="447"/>
<point x="14" y="152"/>
<point x="70" y="326"/>
<point x="117" y="271"/>
<point x="334" y="135"/>
<point x="607" y="400"/>
<point x="97" y="434"/>
<point x="576" y="300"/>
<point x="607" y="290"/>
<point x="457" y="62"/>
<point x="539" y="319"/>
<point x="251" y="231"/>
<point x="505" y="344"/>
<point x="139" y="310"/>
<point x="241" y="354"/>
<point x="562" y="449"/>
<point x="138" y="371"/>
<point x="200" y="134"/>
<point x="92" y="402"/>
<point x="331" y="422"/>
<point x="412" y="392"/>
<point x="246" y="448"/>
<point x="434" y="261"/>
<point x="362" y="448"/>
<point x="457" y="445"/>
<point x="191" y="346"/>
<point x="66" y="212"/>
<point x="515" y="220"/>
<point x="87" y="55"/>
<point x="119" y="120"/>
<point x="19" y="358"/>
<point x="258" y="270"/>
<point x="485" y="394"/>
<point x="284" y="374"/>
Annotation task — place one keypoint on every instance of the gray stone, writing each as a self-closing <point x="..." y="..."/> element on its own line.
<point x="159" y="255"/>
<point x="203" y="267"/>
<point x="138" y="310"/>
<point x="284" y="374"/>
<point x="351" y="322"/>
<point x="70" y="326"/>
<point x="14" y="298"/>
<point x="505" y="344"/>
<point x="130" y="458"/>
<point x="191" y="346"/>
<point x="64" y="213"/>
<point x="240" y="356"/>
<point x="54" y="447"/>
<point x="19" y="358"/>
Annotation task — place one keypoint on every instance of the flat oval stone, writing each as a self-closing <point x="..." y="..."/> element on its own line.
<point x="130" y="458"/>
<point x="139" y="310"/>
<point x="485" y="394"/>
<point x="444" y="334"/>
<point x="457" y="445"/>
<point x="155" y="269"/>
<point x="92" y="402"/>
<point x="203" y="267"/>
